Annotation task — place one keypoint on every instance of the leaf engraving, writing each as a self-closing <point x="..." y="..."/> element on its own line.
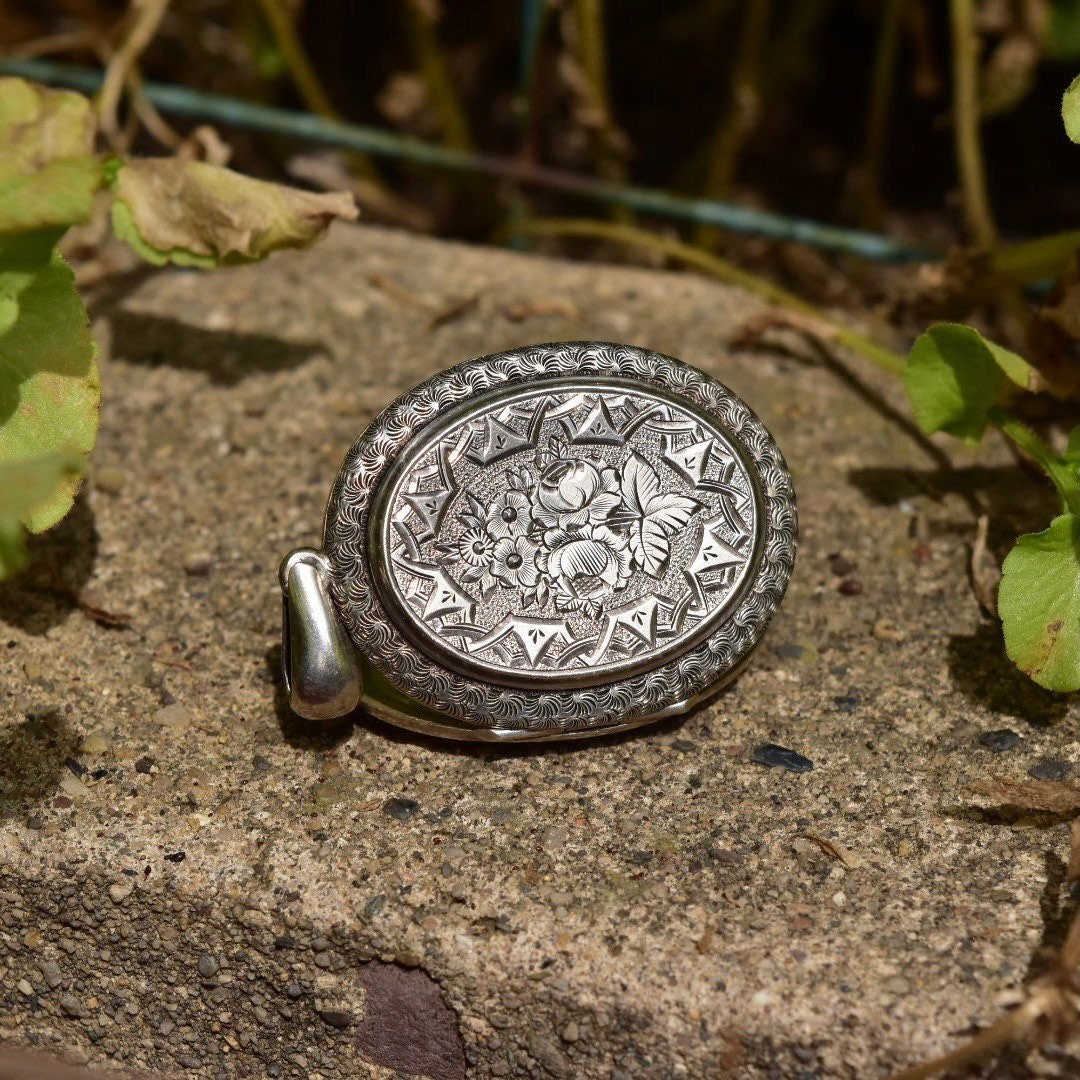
<point x="651" y="514"/>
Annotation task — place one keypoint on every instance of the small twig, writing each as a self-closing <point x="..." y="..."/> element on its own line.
<point x="1008" y="1029"/>
<point x="428" y="53"/>
<point x="398" y="292"/>
<point x="969" y="159"/>
<point x="148" y="116"/>
<point x="147" y="18"/>
<point x="983" y="569"/>
<point x="723" y="271"/>
<point x="1051" y="1010"/>
<point x="454" y="311"/>
<point x="67" y="41"/>
<point x="826" y="845"/>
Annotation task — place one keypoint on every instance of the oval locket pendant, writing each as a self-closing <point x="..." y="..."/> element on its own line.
<point x="556" y="541"/>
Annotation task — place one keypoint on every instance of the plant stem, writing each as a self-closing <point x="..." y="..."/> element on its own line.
<point x="592" y="55"/>
<point x="303" y="74"/>
<point x="428" y="54"/>
<point x="742" y="111"/>
<point x="1035" y="260"/>
<point x="792" y="45"/>
<point x="969" y="160"/>
<point x="723" y="271"/>
<point x="217" y="108"/>
<point x="1024" y="439"/>
<point x="147" y="18"/>
<point x="296" y="58"/>
<point x="1011" y="1026"/>
<point x="877" y="123"/>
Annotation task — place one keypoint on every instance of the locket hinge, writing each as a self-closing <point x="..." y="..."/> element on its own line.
<point x="322" y="672"/>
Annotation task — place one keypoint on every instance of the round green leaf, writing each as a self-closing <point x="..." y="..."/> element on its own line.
<point x="954" y="377"/>
<point x="48" y="171"/>
<point x="1070" y="110"/>
<point x="24" y="487"/>
<point x="49" y="384"/>
<point x="1039" y="604"/>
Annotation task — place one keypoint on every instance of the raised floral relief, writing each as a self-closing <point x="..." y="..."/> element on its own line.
<point x="570" y="529"/>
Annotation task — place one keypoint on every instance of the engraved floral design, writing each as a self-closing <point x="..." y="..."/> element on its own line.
<point x="509" y="515"/>
<point x="572" y="531"/>
<point x="573" y="493"/>
<point x="516" y="562"/>
<point x="475" y="547"/>
<point x="588" y="562"/>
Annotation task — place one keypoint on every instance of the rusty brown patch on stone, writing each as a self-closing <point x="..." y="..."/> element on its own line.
<point x="407" y="1025"/>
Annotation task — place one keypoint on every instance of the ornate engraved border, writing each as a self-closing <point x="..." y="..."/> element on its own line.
<point x="619" y="703"/>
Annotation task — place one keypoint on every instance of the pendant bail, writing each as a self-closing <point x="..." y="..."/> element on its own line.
<point x="321" y="669"/>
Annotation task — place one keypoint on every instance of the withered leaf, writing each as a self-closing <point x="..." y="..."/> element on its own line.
<point x="1051" y="796"/>
<point x="196" y="214"/>
<point x="1073" y="871"/>
<point x="48" y="172"/>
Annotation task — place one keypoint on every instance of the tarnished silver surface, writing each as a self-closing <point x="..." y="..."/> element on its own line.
<point x="559" y="540"/>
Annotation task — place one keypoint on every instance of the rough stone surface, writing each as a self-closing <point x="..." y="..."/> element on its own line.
<point x="654" y="905"/>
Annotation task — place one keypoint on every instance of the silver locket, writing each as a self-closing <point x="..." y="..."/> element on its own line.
<point x="556" y="541"/>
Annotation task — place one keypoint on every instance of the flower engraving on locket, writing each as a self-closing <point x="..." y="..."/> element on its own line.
<point x="568" y="534"/>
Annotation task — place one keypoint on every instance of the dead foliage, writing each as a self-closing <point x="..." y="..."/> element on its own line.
<point x="1048" y="796"/>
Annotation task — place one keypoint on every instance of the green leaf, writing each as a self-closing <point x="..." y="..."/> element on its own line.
<point x="1039" y="604"/>
<point x="48" y="171"/>
<point x="1070" y="110"/>
<point x="954" y="377"/>
<point x="24" y="487"/>
<point x="49" y="384"/>
<point x="195" y="214"/>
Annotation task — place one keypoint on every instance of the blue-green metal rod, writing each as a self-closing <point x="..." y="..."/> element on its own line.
<point x="233" y="112"/>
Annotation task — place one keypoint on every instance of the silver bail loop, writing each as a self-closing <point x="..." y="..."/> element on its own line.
<point x="322" y="673"/>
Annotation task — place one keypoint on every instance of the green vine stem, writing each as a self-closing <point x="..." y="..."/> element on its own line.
<point x="824" y="325"/>
<point x="1023" y="438"/>
<point x="1035" y="260"/>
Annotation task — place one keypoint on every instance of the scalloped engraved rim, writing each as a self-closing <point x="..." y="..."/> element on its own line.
<point x="624" y="701"/>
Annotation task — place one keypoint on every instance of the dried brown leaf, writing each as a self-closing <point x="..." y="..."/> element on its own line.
<point x="1050" y="796"/>
<point x="196" y="214"/>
